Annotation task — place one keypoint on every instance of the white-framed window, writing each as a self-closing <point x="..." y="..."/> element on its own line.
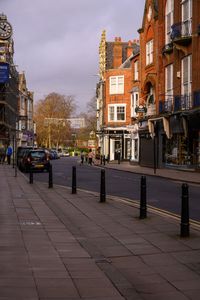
<point x="116" y="85"/>
<point x="186" y="7"/>
<point x="136" y="70"/>
<point x="169" y="19"/>
<point x="149" y="52"/>
<point x="116" y="112"/>
<point x="186" y="75"/>
<point x="134" y="103"/>
<point x="169" y="82"/>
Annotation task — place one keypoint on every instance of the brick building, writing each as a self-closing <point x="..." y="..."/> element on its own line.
<point x="114" y="97"/>
<point x="170" y="84"/>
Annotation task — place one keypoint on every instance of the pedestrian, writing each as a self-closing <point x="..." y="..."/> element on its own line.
<point x="82" y="157"/>
<point x="9" y="152"/>
<point x="90" y="157"/>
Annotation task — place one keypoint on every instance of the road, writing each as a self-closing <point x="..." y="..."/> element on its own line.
<point x="161" y="193"/>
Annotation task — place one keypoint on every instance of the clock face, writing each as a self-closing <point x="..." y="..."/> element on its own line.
<point x="5" y="30"/>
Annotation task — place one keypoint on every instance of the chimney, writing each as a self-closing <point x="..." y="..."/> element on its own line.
<point x="129" y="49"/>
<point x="117" y="53"/>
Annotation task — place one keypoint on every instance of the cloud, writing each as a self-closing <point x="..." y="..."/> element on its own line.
<point x="57" y="42"/>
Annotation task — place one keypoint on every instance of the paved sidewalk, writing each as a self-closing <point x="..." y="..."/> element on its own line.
<point x="180" y="175"/>
<point x="55" y="245"/>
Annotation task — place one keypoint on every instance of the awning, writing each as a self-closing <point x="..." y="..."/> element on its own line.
<point x="166" y="126"/>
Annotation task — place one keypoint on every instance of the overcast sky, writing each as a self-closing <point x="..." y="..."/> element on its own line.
<point x="57" y="41"/>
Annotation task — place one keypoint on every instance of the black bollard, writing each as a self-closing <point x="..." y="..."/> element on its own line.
<point x="104" y="160"/>
<point x="185" y="222"/>
<point x="73" y="180"/>
<point x="143" y="201"/>
<point x="103" y="187"/>
<point x="31" y="176"/>
<point x="118" y="158"/>
<point x="50" y="177"/>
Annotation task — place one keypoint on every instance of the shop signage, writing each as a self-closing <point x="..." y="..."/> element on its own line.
<point x="140" y="109"/>
<point x="4" y="72"/>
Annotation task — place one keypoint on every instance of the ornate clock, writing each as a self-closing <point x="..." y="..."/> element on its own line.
<point x="5" y="30"/>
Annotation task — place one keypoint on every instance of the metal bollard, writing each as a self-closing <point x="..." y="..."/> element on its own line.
<point x="185" y="222"/>
<point x="143" y="204"/>
<point x="31" y="176"/>
<point x="73" y="180"/>
<point x="118" y="157"/>
<point x="103" y="187"/>
<point x="50" y="177"/>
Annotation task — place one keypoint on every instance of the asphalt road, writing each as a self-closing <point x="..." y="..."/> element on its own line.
<point x="161" y="193"/>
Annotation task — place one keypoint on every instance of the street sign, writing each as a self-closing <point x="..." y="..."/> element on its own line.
<point x="4" y="72"/>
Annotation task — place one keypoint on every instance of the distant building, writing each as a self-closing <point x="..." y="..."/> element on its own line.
<point x="26" y="132"/>
<point x="114" y="97"/>
<point x="77" y="123"/>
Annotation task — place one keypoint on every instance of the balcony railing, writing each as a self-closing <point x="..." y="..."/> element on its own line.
<point x="166" y="106"/>
<point x="179" y="103"/>
<point x="183" y="102"/>
<point x="181" y="31"/>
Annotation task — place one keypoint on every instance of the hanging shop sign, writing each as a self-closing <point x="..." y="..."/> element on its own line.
<point x="140" y="109"/>
<point x="4" y="72"/>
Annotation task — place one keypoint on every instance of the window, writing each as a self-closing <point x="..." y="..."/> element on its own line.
<point x="169" y="19"/>
<point x="116" y="112"/>
<point x="186" y="17"/>
<point x="116" y="85"/>
<point x="169" y="81"/>
<point x="149" y="52"/>
<point x="186" y="75"/>
<point x="135" y="103"/>
<point x="120" y="113"/>
<point x="136" y="71"/>
<point x="111" y="113"/>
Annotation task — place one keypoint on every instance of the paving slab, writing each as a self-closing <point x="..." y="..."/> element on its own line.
<point x="55" y="245"/>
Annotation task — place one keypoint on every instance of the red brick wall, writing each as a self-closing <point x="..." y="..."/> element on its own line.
<point x="119" y="98"/>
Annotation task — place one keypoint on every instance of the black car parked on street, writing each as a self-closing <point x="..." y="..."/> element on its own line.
<point x="36" y="160"/>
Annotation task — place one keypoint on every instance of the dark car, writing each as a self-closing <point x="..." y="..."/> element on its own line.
<point x="37" y="160"/>
<point x="21" y="151"/>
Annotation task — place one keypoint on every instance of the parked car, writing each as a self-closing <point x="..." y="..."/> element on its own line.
<point x="20" y="153"/>
<point x="65" y="153"/>
<point x="35" y="160"/>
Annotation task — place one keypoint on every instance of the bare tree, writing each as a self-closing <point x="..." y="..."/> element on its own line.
<point x="51" y="114"/>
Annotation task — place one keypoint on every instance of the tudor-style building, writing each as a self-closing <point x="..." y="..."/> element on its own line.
<point x="114" y="97"/>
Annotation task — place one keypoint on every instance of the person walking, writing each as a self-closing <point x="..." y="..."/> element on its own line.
<point x="82" y="157"/>
<point x="90" y="157"/>
<point x="9" y="152"/>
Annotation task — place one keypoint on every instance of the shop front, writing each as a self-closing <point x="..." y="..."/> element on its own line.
<point x="117" y="144"/>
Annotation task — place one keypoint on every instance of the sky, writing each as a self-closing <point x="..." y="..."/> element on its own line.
<point x="56" y="42"/>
